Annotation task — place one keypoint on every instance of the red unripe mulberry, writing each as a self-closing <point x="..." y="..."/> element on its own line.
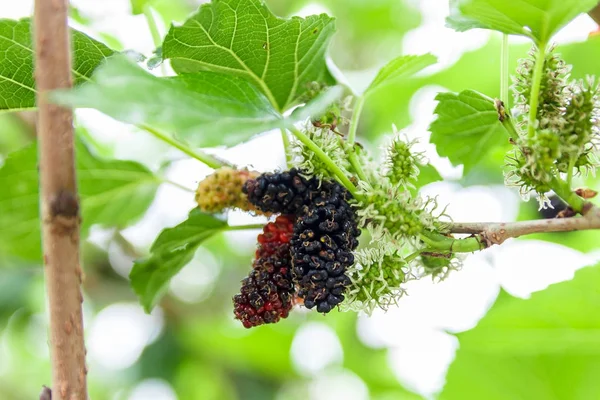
<point x="267" y="293"/>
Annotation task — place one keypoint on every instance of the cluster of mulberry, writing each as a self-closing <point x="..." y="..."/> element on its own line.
<point x="282" y="192"/>
<point x="223" y="189"/>
<point x="325" y="232"/>
<point x="268" y="291"/>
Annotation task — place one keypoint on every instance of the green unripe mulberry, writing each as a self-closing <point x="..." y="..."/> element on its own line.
<point x="401" y="163"/>
<point x="376" y="280"/>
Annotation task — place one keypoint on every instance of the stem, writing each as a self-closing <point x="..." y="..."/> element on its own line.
<point x="563" y="190"/>
<point x="178" y="185"/>
<point x="333" y="168"/>
<point x="360" y="102"/>
<point x="535" y="87"/>
<point x="509" y="126"/>
<point x="416" y="254"/>
<point x="286" y="147"/>
<point x="352" y="157"/>
<point x="498" y="232"/>
<point x="504" y="71"/>
<point x="154" y="32"/>
<point x="59" y="202"/>
<point x="571" y="166"/>
<point x="244" y="227"/>
<point x="439" y="242"/>
<point x="197" y="154"/>
<point x="152" y="25"/>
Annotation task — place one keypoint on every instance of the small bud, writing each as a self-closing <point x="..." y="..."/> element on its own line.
<point x="499" y="104"/>
<point x="586" y="193"/>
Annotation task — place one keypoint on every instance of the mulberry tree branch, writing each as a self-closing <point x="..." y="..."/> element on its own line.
<point x="59" y="202"/>
<point x="497" y="232"/>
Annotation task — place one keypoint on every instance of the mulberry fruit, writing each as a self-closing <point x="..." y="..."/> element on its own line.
<point x="267" y="293"/>
<point x="223" y="189"/>
<point x="325" y="232"/>
<point x="282" y="192"/>
<point x="324" y="236"/>
<point x="376" y="280"/>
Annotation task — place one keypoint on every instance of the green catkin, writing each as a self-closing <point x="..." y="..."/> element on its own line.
<point x="376" y="280"/>
<point x="567" y="127"/>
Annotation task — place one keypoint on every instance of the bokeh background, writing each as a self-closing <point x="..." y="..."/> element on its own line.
<point x="190" y="347"/>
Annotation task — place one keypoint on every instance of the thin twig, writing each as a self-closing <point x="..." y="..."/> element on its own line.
<point x="595" y="14"/>
<point x="59" y="202"/>
<point x="498" y="232"/>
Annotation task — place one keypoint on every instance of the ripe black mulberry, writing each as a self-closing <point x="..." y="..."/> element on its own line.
<point x="325" y="234"/>
<point x="279" y="192"/>
<point x="267" y="293"/>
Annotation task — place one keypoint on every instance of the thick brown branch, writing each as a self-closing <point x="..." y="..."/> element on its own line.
<point x="498" y="232"/>
<point x="59" y="202"/>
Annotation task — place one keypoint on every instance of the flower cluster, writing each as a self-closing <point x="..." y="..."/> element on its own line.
<point x="331" y="143"/>
<point x="553" y="85"/>
<point x="567" y="130"/>
<point x="376" y="279"/>
<point x="401" y="163"/>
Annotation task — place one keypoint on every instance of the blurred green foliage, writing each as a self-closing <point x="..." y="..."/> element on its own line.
<point x="540" y="348"/>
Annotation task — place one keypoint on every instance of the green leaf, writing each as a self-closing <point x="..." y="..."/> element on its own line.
<point x="400" y="68"/>
<point x="537" y="19"/>
<point x="243" y="37"/>
<point x="137" y="6"/>
<point x="170" y="252"/>
<point x="17" y="86"/>
<point x="19" y="219"/>
<point x="466" y="128"/>
<point x="544" y="347"/>
<point x="112" y="192"/>
<point x="427" y="174"/>
<point x="201" y="107"/>
<point x="205" y="108"/>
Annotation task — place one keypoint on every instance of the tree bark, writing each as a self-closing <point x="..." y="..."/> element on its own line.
<point x="59" y="202"/>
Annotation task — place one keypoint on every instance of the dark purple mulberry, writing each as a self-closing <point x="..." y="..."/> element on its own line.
<point x="267" y="293"/>
<point x="325" y="235"/>
<point x="279" y="192"/>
